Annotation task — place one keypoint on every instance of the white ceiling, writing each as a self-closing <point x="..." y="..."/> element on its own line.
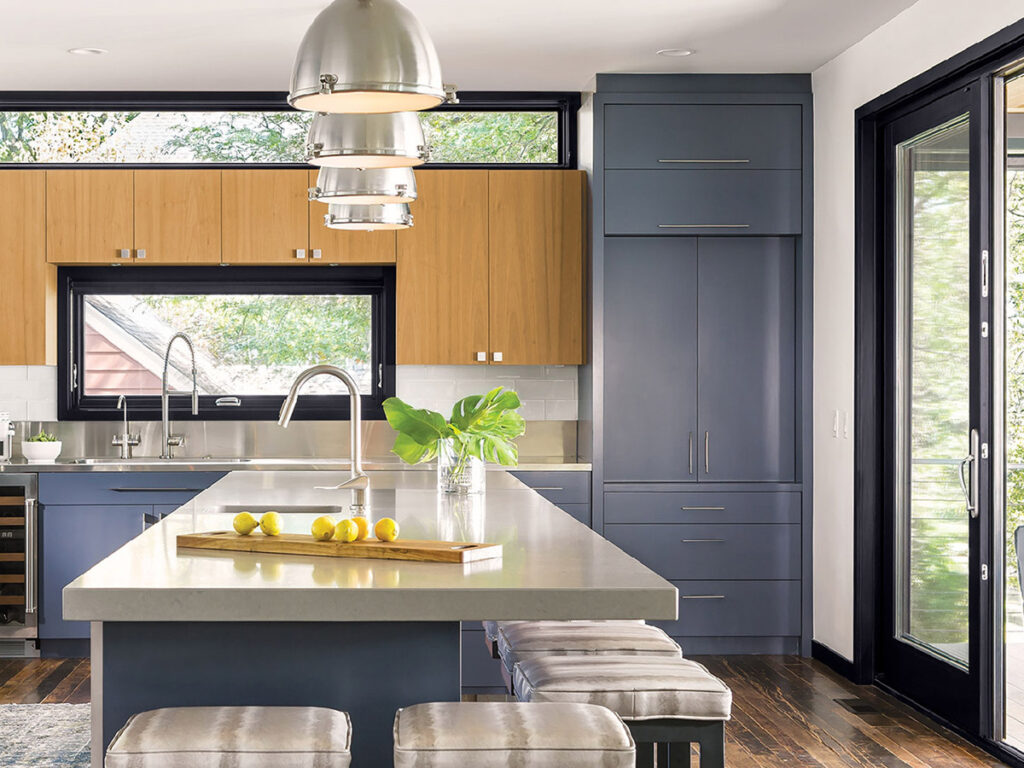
<point x="512" y="45"/>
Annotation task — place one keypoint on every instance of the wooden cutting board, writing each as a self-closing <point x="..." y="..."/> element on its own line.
<point x="296" y="544"/>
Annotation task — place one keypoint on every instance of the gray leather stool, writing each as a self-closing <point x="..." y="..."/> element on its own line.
<point x="518" y="641"/>
<point x="665" y="702"/>
<point x="504" y="734"/>
<point x="242" y="737"/>
<point x="491" y="629"/>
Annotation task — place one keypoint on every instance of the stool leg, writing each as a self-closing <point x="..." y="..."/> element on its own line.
<point x="663" y="755"/>
<point x="644" y="755"/>
<point x="679" y="755"/>
<point x="712" y="748"/>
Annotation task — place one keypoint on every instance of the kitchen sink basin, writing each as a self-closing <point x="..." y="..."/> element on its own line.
<point x="259" y="509"/>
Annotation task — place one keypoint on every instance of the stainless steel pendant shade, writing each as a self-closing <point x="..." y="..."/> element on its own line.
<point x="368" y="217"/>
<point x="366" y="56"/>
<point x="366" y="141"/>
<point x="353" y="186"/>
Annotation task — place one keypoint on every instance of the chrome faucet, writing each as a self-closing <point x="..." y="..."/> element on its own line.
<point x="126" y="440"/>
<point x="359" y="483"/>
<point x="174" y="441"/>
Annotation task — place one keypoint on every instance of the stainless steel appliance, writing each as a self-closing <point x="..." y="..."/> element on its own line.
<point x="19" y="572"/>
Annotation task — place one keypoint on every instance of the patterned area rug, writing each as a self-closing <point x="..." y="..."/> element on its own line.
<point x="44" y="735"/>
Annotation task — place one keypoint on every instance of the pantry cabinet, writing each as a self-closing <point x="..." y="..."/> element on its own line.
<point x="28" y="285"/>
<point x="493" y="270"/>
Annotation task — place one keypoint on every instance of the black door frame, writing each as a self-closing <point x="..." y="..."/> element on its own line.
<point x="977" y="65"/>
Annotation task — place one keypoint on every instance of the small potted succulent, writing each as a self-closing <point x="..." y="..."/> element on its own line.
<point x="41" y="448"/>
<point x="482" y="428"/>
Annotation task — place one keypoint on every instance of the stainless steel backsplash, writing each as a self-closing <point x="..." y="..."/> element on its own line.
<point x="264" y="439"/>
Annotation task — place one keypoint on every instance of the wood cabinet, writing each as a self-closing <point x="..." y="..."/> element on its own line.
<point x="28" y="285"/>
<point x="536" y="267"/>
<point x="492" y="272"/>
<point x="442" y="303"/>
<point x="332" y="246"/>
<point x="177" y="216"/>
<point x="265" y="216"/>
<point x="89" y="216"/>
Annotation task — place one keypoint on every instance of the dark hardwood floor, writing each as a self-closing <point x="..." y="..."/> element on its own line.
<point x="787" y="711"/>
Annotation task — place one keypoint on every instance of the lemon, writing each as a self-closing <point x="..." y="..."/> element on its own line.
<point x="244" y="523"/>
<point x="270" y="523"/>
<point x="364" y="527"/>
<point x="386" y="529"/>
<point x="347" y="530"/>
<point x="323" y="528"/>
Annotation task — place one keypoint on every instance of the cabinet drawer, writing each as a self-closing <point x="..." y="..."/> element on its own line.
<point x="713" y="551"/>
<point x="736" y="608"/>
<point x="703" y="136"/>
<point x="708" y="507"/>
<point x="124" y="487"/>
<point x="559" y="487"/>
<point x="479" y="668"/>
<point x="702" y="203"/>
<point x="580" y="511"/>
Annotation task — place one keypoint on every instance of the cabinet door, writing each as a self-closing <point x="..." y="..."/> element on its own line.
<point x="442" y="272"/>
<point x="343" y="247"/>
<point x="265" y="217"/>
<point x="89" y="216"/>
<point x="28" y="290"/>
<point x="650" y="348"/>
<point x="177" y="216"/>
<point x="72" y="540"/>
<point x="536" y="267"/>
<point x="747" y="343"/>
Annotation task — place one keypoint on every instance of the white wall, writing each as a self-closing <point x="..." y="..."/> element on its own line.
<point x="924" y="35"/>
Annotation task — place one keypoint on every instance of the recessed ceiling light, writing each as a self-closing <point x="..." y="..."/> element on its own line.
<point x="88" y="51"/>
<point x="676" y="52"/>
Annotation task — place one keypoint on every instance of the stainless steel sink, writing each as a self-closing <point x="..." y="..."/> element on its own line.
<point x="259" y="509"/>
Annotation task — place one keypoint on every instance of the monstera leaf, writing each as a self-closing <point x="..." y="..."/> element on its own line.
<point x="419" y="430"/>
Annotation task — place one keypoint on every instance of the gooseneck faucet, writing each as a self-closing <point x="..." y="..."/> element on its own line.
<point x="359" y="483"/>
<point x="170" y="441"/>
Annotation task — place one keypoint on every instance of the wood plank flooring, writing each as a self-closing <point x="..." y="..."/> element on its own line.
<point x="785" y="713"/>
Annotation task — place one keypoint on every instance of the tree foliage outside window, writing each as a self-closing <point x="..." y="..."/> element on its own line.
<point x="256" y="137"/>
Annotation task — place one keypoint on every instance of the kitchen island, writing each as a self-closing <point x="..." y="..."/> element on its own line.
<point x="194" y="628"/>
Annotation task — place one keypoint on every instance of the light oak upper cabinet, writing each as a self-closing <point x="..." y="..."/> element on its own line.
<point x="89" y="216"/>
<point x="177" y="216"/>
<point x="442" y="305"/>
<point x="332" y="246"/>
<point x="265" y="216"/>
<point x="28" y="287"/>
<point x="536" y="267"/>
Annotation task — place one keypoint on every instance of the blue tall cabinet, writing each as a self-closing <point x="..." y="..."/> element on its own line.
<point x="696" y="402"/>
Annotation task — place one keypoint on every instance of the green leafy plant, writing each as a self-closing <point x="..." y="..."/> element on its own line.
<point x="42" y="437"/>
<point x="481" y="426"/>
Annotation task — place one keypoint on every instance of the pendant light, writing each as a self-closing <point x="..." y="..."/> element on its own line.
<point x="353" y="186"/>
<point x="368" y="217"/>
<point x="366" y="141"/>
<point x="366" y="56"/>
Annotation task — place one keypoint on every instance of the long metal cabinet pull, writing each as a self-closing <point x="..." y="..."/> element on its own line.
<point x="707" y="457"/>
<point x="702" y="509"/>
<point x="702" y="541"/>
<point x="703" y="226"/>
<point x="689" y="455"/>
<point x="703" y="161"/>
<point x="703" y="597"/>
<point x="31" y="572"/>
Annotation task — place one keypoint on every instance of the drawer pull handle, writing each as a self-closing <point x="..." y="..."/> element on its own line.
<point x="703" y="226"/>
<point x="703" y="509"/>
<point x="546" y="488"/>
<point x="702" y="541"/>
<point x="702" y="161"/>
<point x="157" y="490"/>
<point x="703" y="597"/>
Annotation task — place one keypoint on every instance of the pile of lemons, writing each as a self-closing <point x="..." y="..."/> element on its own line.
<point x="323" y="529"/>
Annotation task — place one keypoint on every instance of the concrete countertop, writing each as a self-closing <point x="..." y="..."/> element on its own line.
<point x="553" y="567"/>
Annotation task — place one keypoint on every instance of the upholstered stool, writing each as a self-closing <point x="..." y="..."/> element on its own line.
<point x="663" y="700"/>
<point x="534" y="639"/>
<point x="503" y="734"/>
<point x="243" y="737"/>
<point x="491" y="629"/>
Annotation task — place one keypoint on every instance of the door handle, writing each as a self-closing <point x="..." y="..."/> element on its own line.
<point x="707" y="450"/>
<point x="689" y="454"/>
<point x="31" y="555"/>
<point x="970" y="486"/>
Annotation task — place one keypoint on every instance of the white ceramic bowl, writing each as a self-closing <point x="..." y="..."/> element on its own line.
<point x="40" y="452"/>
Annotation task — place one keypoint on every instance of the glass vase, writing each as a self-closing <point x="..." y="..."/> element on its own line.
<point x="459" y="473"/>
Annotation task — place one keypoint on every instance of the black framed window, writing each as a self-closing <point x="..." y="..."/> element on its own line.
<point x="492" y="129"/>
<point x="253" y="328"/>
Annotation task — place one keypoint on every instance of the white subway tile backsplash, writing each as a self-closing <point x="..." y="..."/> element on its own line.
<point x="41" y="410"/>
<point x="10" y="374"/>
<point x="547" y="392"/>
<point x="29" y="389"/>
